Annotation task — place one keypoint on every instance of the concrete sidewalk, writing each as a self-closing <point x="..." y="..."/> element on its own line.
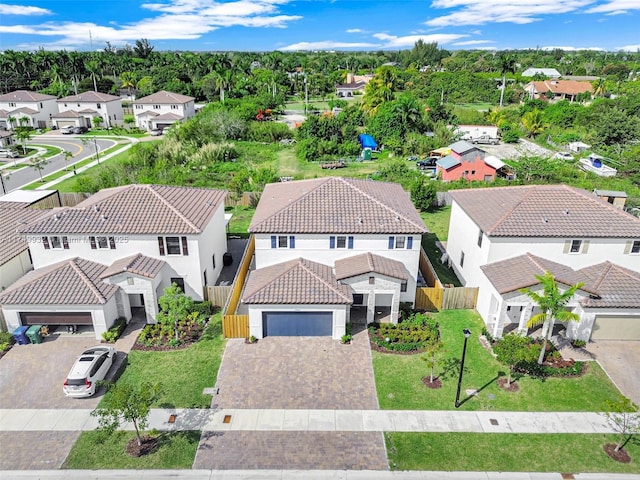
<point x="319" y="421"/>
<point x="301" y="474"/>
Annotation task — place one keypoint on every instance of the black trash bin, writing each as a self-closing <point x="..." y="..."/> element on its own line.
<point x="20" y="334"/>
<point x="227" y="259"/>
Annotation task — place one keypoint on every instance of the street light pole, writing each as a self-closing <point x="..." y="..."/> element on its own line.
<point x="467" y="334"/>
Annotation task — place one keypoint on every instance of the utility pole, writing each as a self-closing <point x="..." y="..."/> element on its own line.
<point x="306" y="95"/>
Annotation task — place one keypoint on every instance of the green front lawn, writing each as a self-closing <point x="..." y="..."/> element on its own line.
<point x="399" y="378"/>
<point x="184" y="373"/>
<point x="503" y="452"/>
<point x="96" y="451"/>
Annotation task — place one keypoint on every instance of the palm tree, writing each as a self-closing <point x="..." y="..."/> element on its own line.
<point x="552" y="303"/>
<point x="409" y="112"/>
<point x="599" y="87"/>
<point x="533" y="123"/>
<point x="507" y="65"/>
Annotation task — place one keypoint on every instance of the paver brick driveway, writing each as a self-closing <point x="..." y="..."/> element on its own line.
<point x="621" y="360"/>
<point x="31" y="376"/>
<point x="297" y="372"/>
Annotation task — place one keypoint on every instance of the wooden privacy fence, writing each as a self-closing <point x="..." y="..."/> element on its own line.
<point x="438" y="298"/>
<point x="218" y="295"/>
<point x="237" y="326"/>
<point x="428" y="272"/>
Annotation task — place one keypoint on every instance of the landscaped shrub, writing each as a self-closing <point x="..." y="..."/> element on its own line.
<point x="409" y="335"/>
<point x="487" y="335"/>
<point x="6" y="340"/>
<point x="202" y="308"/>
<point x="268" y="131"/>
<point x="111" y="335"/>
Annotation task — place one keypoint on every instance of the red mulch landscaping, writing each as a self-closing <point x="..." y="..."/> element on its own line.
<point x="437" y="383"/>
<point x="513" y="387"/>
<point x="149" y="444"/>
<point x="621" y="455"/>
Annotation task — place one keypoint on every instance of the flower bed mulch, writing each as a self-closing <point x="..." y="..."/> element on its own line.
<point x="437" y="383"/>
<point x="148" y="446"/>
<point x="513" y="387"/>
<point x="621" y="455"/>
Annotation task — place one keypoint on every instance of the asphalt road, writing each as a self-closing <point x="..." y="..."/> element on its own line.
<point x="14" y="179"/>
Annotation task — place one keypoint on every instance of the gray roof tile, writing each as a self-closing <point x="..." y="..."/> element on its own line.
<point x="370" y="263"/>
<point x="89" y="96"/>
<point x="14" y="215"/>
<point x="336" y="205"/>
<point x="545" y="211"/>
<point x="24" y="96"/>
<point x="296" y="282"/>
<point x="136" y="209"/>
<point x="71" y="282"/>
<point x="163" y="97"/>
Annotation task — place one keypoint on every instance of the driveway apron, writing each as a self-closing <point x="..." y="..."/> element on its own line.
<point x="295" y="373"/>
<point x="620" y="359"/>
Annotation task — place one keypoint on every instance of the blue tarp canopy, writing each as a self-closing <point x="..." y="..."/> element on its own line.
<point x="367" y="141"/>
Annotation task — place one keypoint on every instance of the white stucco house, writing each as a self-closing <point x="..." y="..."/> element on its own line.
<point x="26" y="108"/>
<point x="80" y="110"/>
<point x="499" y="238"/>
<point x="163" y="109"/>
<point x="113" y="255"/>
<point x="329" y="251"/>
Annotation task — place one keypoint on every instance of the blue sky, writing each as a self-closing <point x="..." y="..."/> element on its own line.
<point x="266" y="25"/>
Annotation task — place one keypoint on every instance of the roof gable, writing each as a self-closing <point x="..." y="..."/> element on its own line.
<point x="137" y="264"/>
<point x="163" y="97"/>
<point x="136" y="209"/>
<point x="70" y="282"/>
<point x="297" y="282"/>
<point x="89" y="96"/>
<point x="25" y="96"/>
<point x="545" y="211"/>
<point x="14" y="215"/>
<point x="370" y="263"/>
<point x="336" y="205"/>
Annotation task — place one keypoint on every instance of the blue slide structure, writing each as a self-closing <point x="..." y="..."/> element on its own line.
<point x="367" y="141"/>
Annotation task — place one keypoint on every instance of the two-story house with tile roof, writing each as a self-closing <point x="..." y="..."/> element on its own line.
<point x="329" y="251"/>
<point x="163" y="109"/>
<point x="25" y="108"/>
<point x="499" y="238"/>
<point x="80" y="110"/>
<point x="118" y="250"/>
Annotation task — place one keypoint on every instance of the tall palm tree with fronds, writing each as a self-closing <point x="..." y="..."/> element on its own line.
<point x="552" y="302"/>
<point x="507" y="62"/>
<point x="533" y="122"/>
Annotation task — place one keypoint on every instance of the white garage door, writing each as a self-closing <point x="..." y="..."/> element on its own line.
<point x="65" y="123"/>
<point x="616" y="327"/>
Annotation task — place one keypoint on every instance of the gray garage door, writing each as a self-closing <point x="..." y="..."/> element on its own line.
<point x="612" y="327"/>
<point x="297" y="324"/>
<point x="57" y="318"/>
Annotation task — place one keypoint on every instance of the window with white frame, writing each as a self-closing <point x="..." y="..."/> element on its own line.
<point x="576" y="246"/>
<point x="98" y="106"/>
<point x="102" y="242"/>
<point x="55" y="242"/>
<point x="635" y="246"/>
<point x="341" y="241"/>
<point x="11" y="104"/>
<point x="173" y="246"/>
<point x="156" y="107"/>
<point x="403" y="287"/>
<point x="283" y="241"/>
<point x="174" y="107"/>
<point x="400" y="241"/>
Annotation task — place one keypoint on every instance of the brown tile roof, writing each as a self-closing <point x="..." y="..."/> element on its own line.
<point x="24" y="96"/>
<point x="519" y="272"/>
<point x="335" y="205"/>
<point x="163" y="97"/>
<point x="136" y="209"/>
<point x="169" y="116"/>
<point x="12" y="216"/>
<point x="617" y="287"/>
<point x="67" y="114"/>
<point x="567" y="87"/>
<point x="370" y="263"/>
<point x="545" y="211"/>
<point x="137" y="264"/>
<point x="609" y="285"/>
<point x="89" y="96"/>
<point x="25" y="110"/>
<point x="71" y="282"/>
<point x="296" y="282"/>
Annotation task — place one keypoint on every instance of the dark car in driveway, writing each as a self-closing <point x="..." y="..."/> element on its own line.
<point x="427" y="162"/>
<point x="78" y="130"/>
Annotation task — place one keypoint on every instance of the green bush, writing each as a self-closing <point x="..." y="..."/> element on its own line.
<point x="6" y="340"/>
<point x="346" y="339"/>
<point x="579" y="343"/>
<point x="487" y="334"/>
<point x="407" y="336"/>
<point x="202" y="308"/>
<point x="268" y="132"/>
<point x="111" y="335"/>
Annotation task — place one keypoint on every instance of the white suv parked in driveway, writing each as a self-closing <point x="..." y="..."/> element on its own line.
<point x="67" y="130"/>
<point x="89" y="368"/>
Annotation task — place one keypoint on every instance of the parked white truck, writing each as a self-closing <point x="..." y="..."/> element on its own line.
<point x="487" y="134"/>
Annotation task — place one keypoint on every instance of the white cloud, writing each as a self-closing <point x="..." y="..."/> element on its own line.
<point x="480" y="12"/>
<point x="572" y="49"/>
<point x="22" y="10"/>
<point x="355" y="30"/>
<point x="630" y="48"/>
<point x="178" y="20"/>
<point x="615" y="6"/>
<point x="409" y="40"/>
<point x="472" y="42"/>
<point x="326" y="45"/>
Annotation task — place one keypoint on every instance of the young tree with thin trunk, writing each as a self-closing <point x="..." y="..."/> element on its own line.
<point x="127" y="403"/>
<point x="38" y="164"/>
<point x="432" y="347"/>
<point x="175" y="306"/>
<point x="624" y="418"/>
<point x="552" y="302"/>
<point x="513" y="349"/>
